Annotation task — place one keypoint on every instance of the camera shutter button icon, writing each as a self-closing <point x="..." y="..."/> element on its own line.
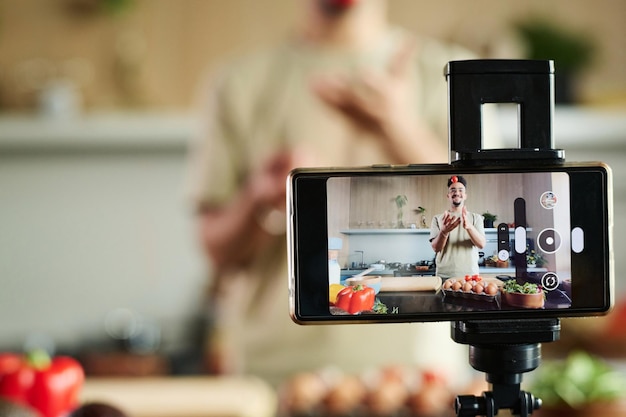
<point x="549" y="240"/>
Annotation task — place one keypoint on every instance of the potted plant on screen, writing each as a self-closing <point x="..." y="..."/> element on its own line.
<point x="489" y="219"/>
<point x="422" y="213"/>
<point x="534" y="259"/>
<point x="401" y="200"/>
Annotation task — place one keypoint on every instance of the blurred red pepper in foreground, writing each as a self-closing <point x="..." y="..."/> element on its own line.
<point x="50" y="386"/>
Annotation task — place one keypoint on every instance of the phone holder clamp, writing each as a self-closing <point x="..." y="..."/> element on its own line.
<point x="504" y="350"/>
<point x="528" y="83"/>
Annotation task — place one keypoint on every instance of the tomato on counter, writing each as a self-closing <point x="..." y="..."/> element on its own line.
<point x="49" y="385"/>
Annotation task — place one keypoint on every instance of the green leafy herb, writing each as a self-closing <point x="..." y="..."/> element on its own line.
<point x="528" y="288"/>
<point x="379" y="307"/>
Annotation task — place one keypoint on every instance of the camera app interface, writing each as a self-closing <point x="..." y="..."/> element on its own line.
<point x="403" y="244"/>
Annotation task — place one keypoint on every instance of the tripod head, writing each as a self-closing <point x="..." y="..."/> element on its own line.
<point x="504" y="350"/>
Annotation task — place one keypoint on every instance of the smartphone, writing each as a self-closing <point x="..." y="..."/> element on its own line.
<point x="361" y="243"/>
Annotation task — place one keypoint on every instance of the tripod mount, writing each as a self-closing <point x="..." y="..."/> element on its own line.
<point x="504" y="350"/>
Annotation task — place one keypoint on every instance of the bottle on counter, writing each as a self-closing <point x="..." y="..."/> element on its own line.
<point x="334" y="270"/>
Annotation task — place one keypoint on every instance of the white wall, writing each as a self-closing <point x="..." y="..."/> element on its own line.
<point x="86" y="230"/>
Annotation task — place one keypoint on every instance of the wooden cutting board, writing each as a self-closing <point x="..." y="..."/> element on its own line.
<point x="421" y="283"/>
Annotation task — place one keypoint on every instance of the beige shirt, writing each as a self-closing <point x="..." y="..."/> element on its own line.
<point x="263" y="103"/>
<point x="459" y="257"/>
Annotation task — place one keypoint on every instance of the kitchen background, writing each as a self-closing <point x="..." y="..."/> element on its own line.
<point x="95" y="118"/>
<point x="387" y="221"/>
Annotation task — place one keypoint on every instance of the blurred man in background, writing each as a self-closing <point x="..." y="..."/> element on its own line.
<point x="347" y="89"/>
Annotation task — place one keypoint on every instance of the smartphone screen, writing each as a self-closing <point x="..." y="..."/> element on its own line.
<point x="436" y="244"/>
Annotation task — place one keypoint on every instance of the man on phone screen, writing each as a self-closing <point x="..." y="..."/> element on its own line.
<point x="456" y="235"/>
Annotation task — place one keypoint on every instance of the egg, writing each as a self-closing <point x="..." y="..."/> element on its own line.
<point x="448" y="284"/>
<point x="491" y="289"/>
<point x="467" y="287"/>
<point x="345" y="395"/>
<point x="386" y="399"/>
<point x="478" y="288"/>
<point x="456" y="286"/>
<point x="304" y="392"/>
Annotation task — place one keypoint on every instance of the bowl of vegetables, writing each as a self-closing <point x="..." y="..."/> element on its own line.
<point x="525" y="295"/>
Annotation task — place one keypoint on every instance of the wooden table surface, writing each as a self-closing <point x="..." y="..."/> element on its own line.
<point x="184" y="396"/>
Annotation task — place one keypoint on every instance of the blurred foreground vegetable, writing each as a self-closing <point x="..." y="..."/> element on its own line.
<point x="579" y="380"/>
<point x="50" y="386"/>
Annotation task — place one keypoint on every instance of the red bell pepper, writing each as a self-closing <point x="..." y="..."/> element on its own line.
<point x="356" y="299"/>
<point x="50" y="386"/>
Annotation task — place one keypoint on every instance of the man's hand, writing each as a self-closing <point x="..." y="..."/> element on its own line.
<point x="374" y="101"/>
<point x="267" y="185"/>
<point x="382" y="103"/>
<point x="450" y="222"/>
<point x="476" y="237"/>
<point x="233" y="233"/>
<point x="466" y="225"/>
